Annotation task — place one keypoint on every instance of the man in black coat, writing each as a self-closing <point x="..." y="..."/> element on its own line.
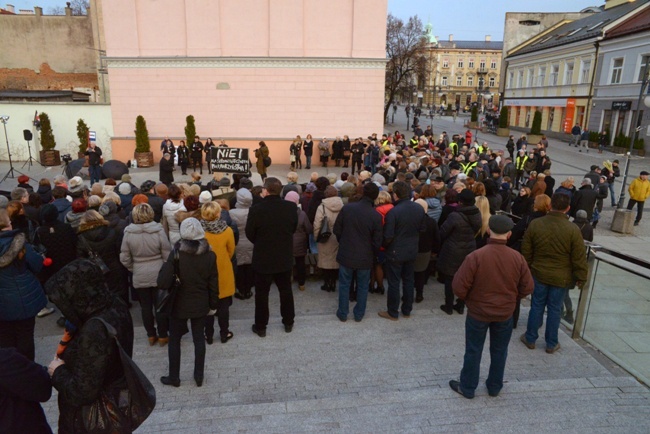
<point x="585" y="198"/>
<point x="156" y="202"/>
<point x="270" y="227"/>
<point x="197" y="154"/>
<point x="401" y="239"/>
<point x="23" y="384"/>
<point x="167" y="170"/>
<point x="358" y="231"/>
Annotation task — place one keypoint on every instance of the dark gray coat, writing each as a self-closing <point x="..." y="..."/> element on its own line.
<point x="457" y="235"/>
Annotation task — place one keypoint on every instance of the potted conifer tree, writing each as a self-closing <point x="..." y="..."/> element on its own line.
<point x="535" y="135"/>
<point x="504" y="123"/>
<point x="143" y="154"/>
<point x="82" y="135"/>
<point x="49" y="155"/>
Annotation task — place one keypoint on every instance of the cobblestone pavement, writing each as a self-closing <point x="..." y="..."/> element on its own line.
<point x="374" y="376"/>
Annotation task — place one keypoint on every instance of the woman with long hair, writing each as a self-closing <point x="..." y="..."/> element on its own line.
<point x="483" y="206"/>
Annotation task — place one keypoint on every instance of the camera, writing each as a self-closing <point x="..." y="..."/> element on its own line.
<point x="66" y="158"/>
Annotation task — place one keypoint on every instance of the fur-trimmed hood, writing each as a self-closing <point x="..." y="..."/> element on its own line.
<point x="12" y="244"/>
<point x="193" y="247"/>
<point x="83" y="227"/>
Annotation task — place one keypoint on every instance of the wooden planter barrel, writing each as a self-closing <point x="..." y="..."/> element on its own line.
<point x="144" y="159"/>
<point x="50" y="158"/>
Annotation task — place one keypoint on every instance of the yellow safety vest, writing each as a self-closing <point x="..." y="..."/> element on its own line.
<point x="521" y="162"/>
<point x="483" y="149"/>
<point x="414" y="143"/>
<point x="454" y="147"/>
<point x="469" y="167"/>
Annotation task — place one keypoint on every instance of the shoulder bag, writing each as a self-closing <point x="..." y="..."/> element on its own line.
<point x="325" y="232"/>
<point x="126" y="403"/>
<point x="165" y="298"/>
<point x="94" y="257"/>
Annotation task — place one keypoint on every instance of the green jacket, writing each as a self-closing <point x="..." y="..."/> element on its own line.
<point x="555" y="251"/>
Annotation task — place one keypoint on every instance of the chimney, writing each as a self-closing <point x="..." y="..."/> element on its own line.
<point x="68" y="10"/>
<point x="38" y="11"/>
<point x="451" y="38"/>
<point x="488" y="38"/>
<point x="11" y="8"/>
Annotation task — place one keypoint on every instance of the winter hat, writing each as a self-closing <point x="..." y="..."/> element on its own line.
<point x="124" y="189"/>
<point x="205" y="197"/>
<point x="466" y="197"/>
<point x="79" y="205"/>
<point x="500" y="224"/>
<point x="126" y="178"/>
<point x="23" y="179"/>
<point x="108" y="207"/>
<point x="76" y="184"/>
<point x="94" y="201"/>
<point x="3" y="202"/>
<point x="581" y="214"/>
<point x="505" y="186"/>
<point x="310" y="188"/>
<point x="191" y="203"/>
<point x="292" y="196"/>
<point x="191" y="229"/>
<point x="643" y="172"/>
<point x="331" y="191"/>
<point x="147" y="185"/>
<point x="246" y="183"/>
<point x="49" y="213"/>
<point x="195" y="189"/>
<point x="138" y="199"/>
<point x="331" y="177"/>
<point x="97" y="189"/>
<point x="423" y="204"/>
<point x="378" y="178"/>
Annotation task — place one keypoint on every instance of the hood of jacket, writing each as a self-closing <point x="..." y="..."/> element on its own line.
<point x="174" y="206"/>
<point x="333" y="204"/>
<point x="73" y="218"/>
<point x="11" y="244"/>
<point x="214" y="226"/>
<point x="107" y="208"/>
<point x="42" y="189"/>
<point x="94" y="231"/>
<point x="62" y="204"/>
<point x="79" y="290"/>
<point x="193" y="247"/>
<point x="473" y="216"/>
<point x="244" y="198"/>
<point x="144" y="228"/>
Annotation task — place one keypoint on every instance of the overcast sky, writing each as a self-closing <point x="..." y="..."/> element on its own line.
<point x="465" y="19"/>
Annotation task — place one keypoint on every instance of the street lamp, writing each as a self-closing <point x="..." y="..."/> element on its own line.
<point x="646" y="102"/>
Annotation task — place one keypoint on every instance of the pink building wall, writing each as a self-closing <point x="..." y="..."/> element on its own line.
<point x="246" y="69"/>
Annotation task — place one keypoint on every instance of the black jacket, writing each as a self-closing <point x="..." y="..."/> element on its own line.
<point x="197" y="266"/>
<point x="402" y="230"/>
<point x="94" y="156"/>
<point x="183" y="154"/>
<point x="270" y="227"/>
<point x="156" y="203"/>
<point x="429" y="240"/>
<point x="308" y="148"/>
<point x="359" y="233"/>
<point x="45" y="192"/>
<point x="167" y="171"/>
<point x="60" y="240"/>
<point x="23" y="384"/>
<point x="458" y="237"/>
<point x="584" y="198"/>
<point x="92" y="361"/>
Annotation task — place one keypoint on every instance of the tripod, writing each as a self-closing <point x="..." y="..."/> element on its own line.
<point x="28" y="136"/>
<point x="4" y="120"/>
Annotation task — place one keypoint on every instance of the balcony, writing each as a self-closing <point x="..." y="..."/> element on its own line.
<point x="481" y="71"/>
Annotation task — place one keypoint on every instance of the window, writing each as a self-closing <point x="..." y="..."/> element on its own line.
<point x="511" y="80"/>
<point x="470" y="64"/>
<point x="568" y="73"/>
<point x="520" y="79"/>
<point x="470" y="80"/>
<point x="493" y="64"/>
<point x="481" y="64"/>
<point x="644" y="62"/>
<point x="459" y="80"/>
<point x="584" y="71"/>
<point x="617" y="71"/>
<point x="444" y="81"/>
<point x="542" y="76"/>
<point x="445" y="63"/>
<point x="460" y="62"/>
<point x="554" y="73"/>
<point x="481" y="82"/>
<point x="531" y="76"/>
<point x="492" y="82"/>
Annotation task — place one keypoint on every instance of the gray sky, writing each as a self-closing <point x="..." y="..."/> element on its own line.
<point x="465" y="19"/>
<point x="473" y="19"/>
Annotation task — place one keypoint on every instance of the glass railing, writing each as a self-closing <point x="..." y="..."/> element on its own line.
<point x="612" y="312"/>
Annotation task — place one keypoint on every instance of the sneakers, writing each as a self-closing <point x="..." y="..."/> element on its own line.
<point x="288" y="328"/>
<point x="45" y="312"/>
<point x="386" y="315"/>
<point x="554" y="349"/>
<point x="530" y="346"/>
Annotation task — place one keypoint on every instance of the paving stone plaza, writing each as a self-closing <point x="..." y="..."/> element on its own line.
<point x="384" y="376"/>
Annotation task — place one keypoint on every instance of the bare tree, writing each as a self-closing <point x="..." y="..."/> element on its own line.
<point x="405" y="52"/>
<point x="79" y="7"/>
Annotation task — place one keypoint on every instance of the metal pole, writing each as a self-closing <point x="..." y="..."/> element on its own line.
<point x="644" y="83"/>
<point x="11" y="165"/>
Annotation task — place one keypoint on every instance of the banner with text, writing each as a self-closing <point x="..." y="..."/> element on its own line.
<point x="230" y="160"/>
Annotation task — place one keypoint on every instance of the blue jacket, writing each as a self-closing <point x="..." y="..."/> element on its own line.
<point x="21" y="294"/>
<point x="402" y="231"/>
<point x="358" y="231"/>
<point x="63" y="206"/>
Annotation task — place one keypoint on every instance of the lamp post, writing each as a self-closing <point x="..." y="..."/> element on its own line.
<point x="644" y="84"/>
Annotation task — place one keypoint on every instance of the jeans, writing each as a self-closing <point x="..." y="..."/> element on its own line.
<point x="95" y="174"/>
<point x="223" y="318"/>
<point x="475" y="333"/>
<point x="551" y="298"/>
<point x="19" y="334"/>
<point x="612" y="195"/>
<point x="639" y="208"/>
<point x="146" y="297"/>
<point x="576" y="139"/>
<point x="177" y="327"/>
<point x="345" y="282"/>
<point x="307" y="161"/>
<point x="262" y="289"/>
<point x="397" y="271"/>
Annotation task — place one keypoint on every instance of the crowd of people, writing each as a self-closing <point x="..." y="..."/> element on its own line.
<point x="414" y="209"/>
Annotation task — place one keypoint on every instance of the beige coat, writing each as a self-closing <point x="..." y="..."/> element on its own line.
<point x="327" y="251"/>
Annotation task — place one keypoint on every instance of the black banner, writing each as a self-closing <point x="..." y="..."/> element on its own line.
<point x="230" y="160"/>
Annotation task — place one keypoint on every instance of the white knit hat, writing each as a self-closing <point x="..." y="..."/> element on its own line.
<point x="124" y="188"/>
<point x="191" y="229"/>
<point x="205" y="197"/>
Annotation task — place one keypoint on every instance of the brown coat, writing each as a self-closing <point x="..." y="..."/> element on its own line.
<point x="261" y="153"/>
<point x="492" y="280"/>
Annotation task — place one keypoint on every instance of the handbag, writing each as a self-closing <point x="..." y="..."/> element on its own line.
<point x="94" y="257"/>
<point x="292" y="158"/>
<point x="266" y="161"/>
<point x="126" y="403"/>
<point x="325" y="233"/>
<point x="165" y="298"/>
